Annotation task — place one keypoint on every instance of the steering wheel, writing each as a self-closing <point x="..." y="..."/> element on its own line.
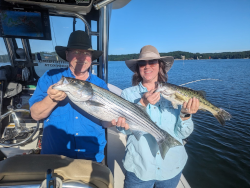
<point x="19" y="129"/>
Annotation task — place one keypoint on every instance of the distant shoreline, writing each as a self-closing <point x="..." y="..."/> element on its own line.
<point x="209" y="59"/>
<point x="174" y="59"/>
<point x="178" y="55"/>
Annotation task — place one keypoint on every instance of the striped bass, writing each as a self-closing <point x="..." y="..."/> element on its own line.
<point x="178" y="95"/>
<point x="107" y="106"/>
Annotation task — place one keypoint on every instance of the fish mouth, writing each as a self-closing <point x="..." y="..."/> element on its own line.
<point x="56" y="85"/>
<point x="168" y="94"/>
<point x="63" y="81"/>
<point x="163" y="91"/>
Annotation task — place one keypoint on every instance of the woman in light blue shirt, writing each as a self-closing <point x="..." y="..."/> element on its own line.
<point x="143" y="162"/>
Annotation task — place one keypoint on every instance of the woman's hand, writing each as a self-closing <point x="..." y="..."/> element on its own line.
<point x="121" y="122"/>
<point x="190" y="107"/>
<point x="150" y="97"/>
<point x="56" y="95"/>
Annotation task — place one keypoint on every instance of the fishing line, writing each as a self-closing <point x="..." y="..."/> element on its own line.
<point x="199" y="81"/>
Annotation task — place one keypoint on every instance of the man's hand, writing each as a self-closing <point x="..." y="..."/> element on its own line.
<point x="150" y="97"/>
<point x="56" y="95"/>
<point x="121" y="122"/>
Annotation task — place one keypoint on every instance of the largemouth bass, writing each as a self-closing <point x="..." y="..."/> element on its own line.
<point x="178" y="95"/>
<point x="107" y="106"/>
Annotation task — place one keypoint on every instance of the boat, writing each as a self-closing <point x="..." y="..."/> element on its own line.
<point x="21" y="164"/>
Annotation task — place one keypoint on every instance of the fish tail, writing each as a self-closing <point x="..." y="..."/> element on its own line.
<point x="222" y="116"/>
<point x="167" y="143"/>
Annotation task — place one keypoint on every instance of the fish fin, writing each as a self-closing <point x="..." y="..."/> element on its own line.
<point x="138" y="134"/>
<point x="179" y="97"/>
<point x="204" y="110"/>
<point x="167" y="143"/>
<point x="94" y="103"/>
<point x="202" y="93"/>
<point x="144" y="109"/>
<point x="175" y="106"/>
<point x="221" y="116"/>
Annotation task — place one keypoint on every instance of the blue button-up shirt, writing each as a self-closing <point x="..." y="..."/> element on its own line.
<point x="143" y="157"/>
<point x="69" y="130"/>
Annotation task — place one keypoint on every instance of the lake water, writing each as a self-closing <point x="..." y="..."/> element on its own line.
<point x="219" y="157"/>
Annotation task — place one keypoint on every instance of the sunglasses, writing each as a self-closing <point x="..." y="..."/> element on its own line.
<point x="143" y="63"/>
<point x="78" y="52"/>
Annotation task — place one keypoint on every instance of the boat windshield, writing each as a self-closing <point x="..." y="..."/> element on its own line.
<point x="43" y="51"/>
<point x="4" y="58"/>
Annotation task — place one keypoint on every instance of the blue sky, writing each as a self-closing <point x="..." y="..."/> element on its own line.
<point x="169" y="25"/>
<point x="186" y="25"/>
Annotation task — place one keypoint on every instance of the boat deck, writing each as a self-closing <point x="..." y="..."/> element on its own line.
<point x="116" y="150"/>
<point x="183" y="183"/>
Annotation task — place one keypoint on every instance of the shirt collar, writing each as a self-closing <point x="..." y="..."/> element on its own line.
<point x="90" y="76"/>
<point x="142" y="88"/>
<point x="70" y="74"/>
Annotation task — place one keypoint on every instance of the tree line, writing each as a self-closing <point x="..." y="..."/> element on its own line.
<point x="175" y="54"/>
<point x="188" y="55"/>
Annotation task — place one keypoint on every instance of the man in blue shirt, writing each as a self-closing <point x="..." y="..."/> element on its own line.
<point x="68" y="130"/>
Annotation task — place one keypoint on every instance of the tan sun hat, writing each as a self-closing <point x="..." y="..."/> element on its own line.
<point x="149" y="53"/>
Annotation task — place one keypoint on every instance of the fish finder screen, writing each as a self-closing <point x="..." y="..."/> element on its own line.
<point x="25" y="24"/>
<point x="68" y="2"/>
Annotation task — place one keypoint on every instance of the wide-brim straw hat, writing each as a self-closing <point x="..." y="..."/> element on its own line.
<point x="78" y="40"/>
<point x="149" y="53"/>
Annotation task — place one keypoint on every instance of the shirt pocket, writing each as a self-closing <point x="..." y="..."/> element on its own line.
<point x="59" y="119"/>
<point x="61" y="112"/>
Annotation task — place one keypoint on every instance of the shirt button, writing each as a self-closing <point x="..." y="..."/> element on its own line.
<point x="47" y="120"/>
<point x="158" y="153"/>
<point x="155" y="122"/>
<point x="78" y="150"/>
<point x="154" y="107"/>
<point x="158" y="168"/>
<point x="76" y="117"/>
<point x="76" y="133"/>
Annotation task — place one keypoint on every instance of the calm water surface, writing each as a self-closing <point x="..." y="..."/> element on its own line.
<point x="218" y="156"/>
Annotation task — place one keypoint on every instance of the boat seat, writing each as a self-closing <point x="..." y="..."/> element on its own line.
<point x="33" y="168"/>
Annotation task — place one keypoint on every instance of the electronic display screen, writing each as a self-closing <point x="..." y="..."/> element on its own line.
<point x="23" y="23"/>
<point x="68" y="2"/>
